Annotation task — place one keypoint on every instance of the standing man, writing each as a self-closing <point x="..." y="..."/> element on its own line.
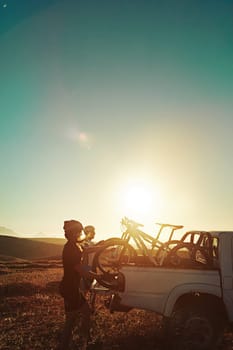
<point x="88" y="254"/>
<point x="89" y="232"/>
<point x="74" y="301"/>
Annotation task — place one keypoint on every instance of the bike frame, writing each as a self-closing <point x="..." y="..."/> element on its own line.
<point x="139" y="237"/>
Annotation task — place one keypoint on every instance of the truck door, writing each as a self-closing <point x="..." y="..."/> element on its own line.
<point x="226" y="268"/>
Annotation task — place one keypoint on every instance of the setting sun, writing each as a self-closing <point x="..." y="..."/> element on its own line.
<point x="137" y="199"/>
<point x="140" y="200"/>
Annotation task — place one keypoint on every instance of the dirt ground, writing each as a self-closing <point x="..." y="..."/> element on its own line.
<point x="32" y="316"/>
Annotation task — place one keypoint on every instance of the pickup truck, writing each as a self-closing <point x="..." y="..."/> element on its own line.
<point x="190" y="285"/>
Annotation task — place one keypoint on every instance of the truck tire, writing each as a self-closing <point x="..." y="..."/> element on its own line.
<point x="193" y="328"/>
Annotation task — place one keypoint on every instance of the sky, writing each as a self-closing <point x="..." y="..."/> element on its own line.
<point x="116" y="107"/>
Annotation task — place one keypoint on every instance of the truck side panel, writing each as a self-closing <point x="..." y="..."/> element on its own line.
<point x="157" y="288"/>
<point x="226" y="263"/>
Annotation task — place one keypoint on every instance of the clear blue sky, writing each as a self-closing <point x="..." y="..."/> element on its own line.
<point x="98" y="95"/>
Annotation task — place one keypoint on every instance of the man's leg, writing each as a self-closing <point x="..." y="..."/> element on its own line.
<point x="85" y="312"/>
<point x="71" y="318"/>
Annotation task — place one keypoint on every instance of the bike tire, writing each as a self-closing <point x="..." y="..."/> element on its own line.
<point x="176" y="260"/>
<point x="121" y="251"/>
<point x="164" y="249"/>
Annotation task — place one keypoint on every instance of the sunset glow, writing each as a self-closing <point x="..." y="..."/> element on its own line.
<point x="141" y="201"/>
<point x="137" y="199"/>
<point x="114" y="109"/>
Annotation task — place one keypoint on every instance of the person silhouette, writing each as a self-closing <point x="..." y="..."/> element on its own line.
<point x="75" y="304"/>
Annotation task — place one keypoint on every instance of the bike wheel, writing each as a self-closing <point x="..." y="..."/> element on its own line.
<point x="109" y="258"/>
<point x="188" y="255"/>
<point x="164" y="249"/>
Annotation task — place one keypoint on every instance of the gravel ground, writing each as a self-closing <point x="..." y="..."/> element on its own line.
<point x="32" y="317"/>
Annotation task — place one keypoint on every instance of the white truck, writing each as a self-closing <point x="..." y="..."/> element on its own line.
<point x="189" y="283"/>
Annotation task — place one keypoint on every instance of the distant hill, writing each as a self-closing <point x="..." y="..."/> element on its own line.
<point x="50" y="240"/>
<point x="24" y="248"/>
<point x="7" y="258"/>
<point x="7" y="231"/>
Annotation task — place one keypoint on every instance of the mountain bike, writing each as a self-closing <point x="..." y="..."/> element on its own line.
<point x="135" y="247"/>
<point x="194" y="249"/>
<point x="138" y="248"/>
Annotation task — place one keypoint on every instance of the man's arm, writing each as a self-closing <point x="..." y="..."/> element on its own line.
<point x="84" y="272"/>
<point x="91" y="249"/>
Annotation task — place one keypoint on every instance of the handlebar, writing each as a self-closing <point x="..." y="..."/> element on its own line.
<point x="128" y="222"/>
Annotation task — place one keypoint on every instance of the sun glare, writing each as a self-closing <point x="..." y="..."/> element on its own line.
<point x="137" y="199"/>
<point x="140" y="201"/>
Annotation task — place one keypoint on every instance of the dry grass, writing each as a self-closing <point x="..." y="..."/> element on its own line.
<point x="32" y="316"/>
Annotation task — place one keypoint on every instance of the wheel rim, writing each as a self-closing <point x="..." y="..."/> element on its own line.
<point x="191" y="330"/>
<point x="197" y="333"/>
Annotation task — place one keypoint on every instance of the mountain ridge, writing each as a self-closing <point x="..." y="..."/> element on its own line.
<point x="29" y="248"/>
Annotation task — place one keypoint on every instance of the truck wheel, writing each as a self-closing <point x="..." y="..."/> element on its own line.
<point x="193" y="329"/>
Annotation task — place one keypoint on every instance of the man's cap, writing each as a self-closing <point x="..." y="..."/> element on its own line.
<point x="72" y="225"/>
